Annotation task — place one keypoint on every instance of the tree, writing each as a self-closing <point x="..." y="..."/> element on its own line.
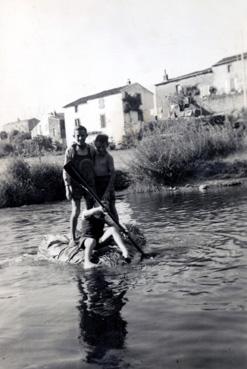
<point x="3" y="135"/>
<point x="13" y="133"/>
<point x="132" y="102"/>
<point x="44" y="143"/>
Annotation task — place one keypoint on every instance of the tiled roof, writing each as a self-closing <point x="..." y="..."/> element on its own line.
<point x="84" y="100"/>
<point x="231" y="59"/>
<point x="185" y="76"/>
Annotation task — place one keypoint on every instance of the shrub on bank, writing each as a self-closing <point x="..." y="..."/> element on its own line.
<point x="15" y="189"/>
<point x="168" y="155"/>
<point x="122" y="180"/>
<point x="21" y="144"/>
<point x="6" y="149"/>
<point x="23" y="184"/>
<point x="47" y="183"/>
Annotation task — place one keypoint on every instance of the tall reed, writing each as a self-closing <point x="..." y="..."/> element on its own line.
<point x="169" y="154"/>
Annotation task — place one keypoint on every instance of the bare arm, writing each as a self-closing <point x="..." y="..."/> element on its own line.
<point x="66" y="177"/>
<point x="88" y="213"/>
<point x="112" y="173"/>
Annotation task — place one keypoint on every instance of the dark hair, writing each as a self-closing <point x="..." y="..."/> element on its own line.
<point x="80" y="128"/>
<point x="101" y="138"/>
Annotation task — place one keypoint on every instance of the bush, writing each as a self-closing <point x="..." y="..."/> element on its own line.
<point x="166" y="156"/>
<point x="47" y="183"/>
<point x="19" y="170"/>
<point x="44" y="143"/>
<point x="24" y="185"/>
<point x="16" y="188"/>
<point x="3" y="135"/>
<point x="13" y="134"/>
<point x="122" y="180"/>
<point x="59" y="146"/>
<point x="6" y="149"/>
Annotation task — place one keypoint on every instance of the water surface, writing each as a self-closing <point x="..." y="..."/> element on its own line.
<point x="184" y="309"/>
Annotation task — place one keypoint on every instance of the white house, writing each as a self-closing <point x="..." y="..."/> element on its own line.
<point x="114" y="112"/>
<point x="24" y="125"/>
<point x="51" y="125"/>
<point x="223" y="87"/>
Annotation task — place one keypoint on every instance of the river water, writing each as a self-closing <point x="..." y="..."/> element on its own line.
<point x="186" y="308"/>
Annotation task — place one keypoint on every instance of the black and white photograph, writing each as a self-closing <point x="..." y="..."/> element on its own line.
<point x="123" y="184"/>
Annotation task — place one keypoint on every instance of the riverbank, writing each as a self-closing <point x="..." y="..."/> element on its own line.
<point x="39" y="180"/>
<point x="26" y="181"/>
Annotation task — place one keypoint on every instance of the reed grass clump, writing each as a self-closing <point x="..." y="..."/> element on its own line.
<point x="23" y="184"/>
<point x="169" y="154"/>
<point x="122" y="180"/>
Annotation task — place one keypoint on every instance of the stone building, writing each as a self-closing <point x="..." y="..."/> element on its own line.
<point x="221" y="88"/>
<point x="52" y="125"/>
<point x="114" y="112"/>
<point x="25" y="125"/>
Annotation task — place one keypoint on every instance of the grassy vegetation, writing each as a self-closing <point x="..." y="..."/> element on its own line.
<point x="34" y="181"/>
<point x="23" y="184"/>
<point x="176" y="151"/>
<point x="171" y="153"/>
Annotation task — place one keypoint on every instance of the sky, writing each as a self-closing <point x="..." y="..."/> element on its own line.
<point x="53" y="52"/>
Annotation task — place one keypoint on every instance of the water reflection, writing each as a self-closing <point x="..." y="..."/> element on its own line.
<point x="102" y="327"/>
<point x="191" y="298"/>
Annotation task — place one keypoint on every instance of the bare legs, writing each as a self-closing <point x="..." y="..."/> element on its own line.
<point x="75" y="213"/>
<point x="76" y="208"/>
<point x="89" y="244"/>
<point x="112" y="231"/>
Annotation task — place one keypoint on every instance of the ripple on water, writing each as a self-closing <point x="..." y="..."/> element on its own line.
<point x="184" y="308"/>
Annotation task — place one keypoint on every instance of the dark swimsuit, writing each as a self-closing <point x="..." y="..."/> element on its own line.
<point x="84" y="165"/>
<point x="92" y="228"/>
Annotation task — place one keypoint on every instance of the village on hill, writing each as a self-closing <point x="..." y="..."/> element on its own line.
<point x="215" y="91"/>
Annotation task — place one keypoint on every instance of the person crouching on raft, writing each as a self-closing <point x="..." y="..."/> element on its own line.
<point x="82" y="157"/>
<point x="93" y="234"/>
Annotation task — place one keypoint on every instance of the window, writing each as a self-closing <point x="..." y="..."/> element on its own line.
<point x="178" y="89"/>
<point x="140" y="115"/>
<point x="229" y="68"/>
<point x="76" y="108"/>
<point x="101" y="103"/>
<point x="102" y="121"/>
<point x="139" y="97"/>
<point x="77" y="122"/>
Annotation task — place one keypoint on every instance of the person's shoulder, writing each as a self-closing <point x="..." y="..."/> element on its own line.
<point x="68" y="151"/>
<point x="71" y="148"/>
<point x="91" y="148"/>
<point x="108" y="155"/>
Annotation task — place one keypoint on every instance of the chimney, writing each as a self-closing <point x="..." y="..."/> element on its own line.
<point x="128" y="81"/>
<point x="165" y="76"/>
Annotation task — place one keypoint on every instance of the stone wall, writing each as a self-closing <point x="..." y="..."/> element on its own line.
<point x="224" y="103"/>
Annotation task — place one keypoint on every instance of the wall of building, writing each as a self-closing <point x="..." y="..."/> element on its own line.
<point x="22" y="125"/>
<point x="165" y="91"/>
<point x="229" y="77"/>
<point x="37" y="130"/>
<point x="42" y="128"/>
<point x="147" y="98"/>
<point x="225" y="103"/>
<point x="89" y="115"/>
<point x="56" y="128"/>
